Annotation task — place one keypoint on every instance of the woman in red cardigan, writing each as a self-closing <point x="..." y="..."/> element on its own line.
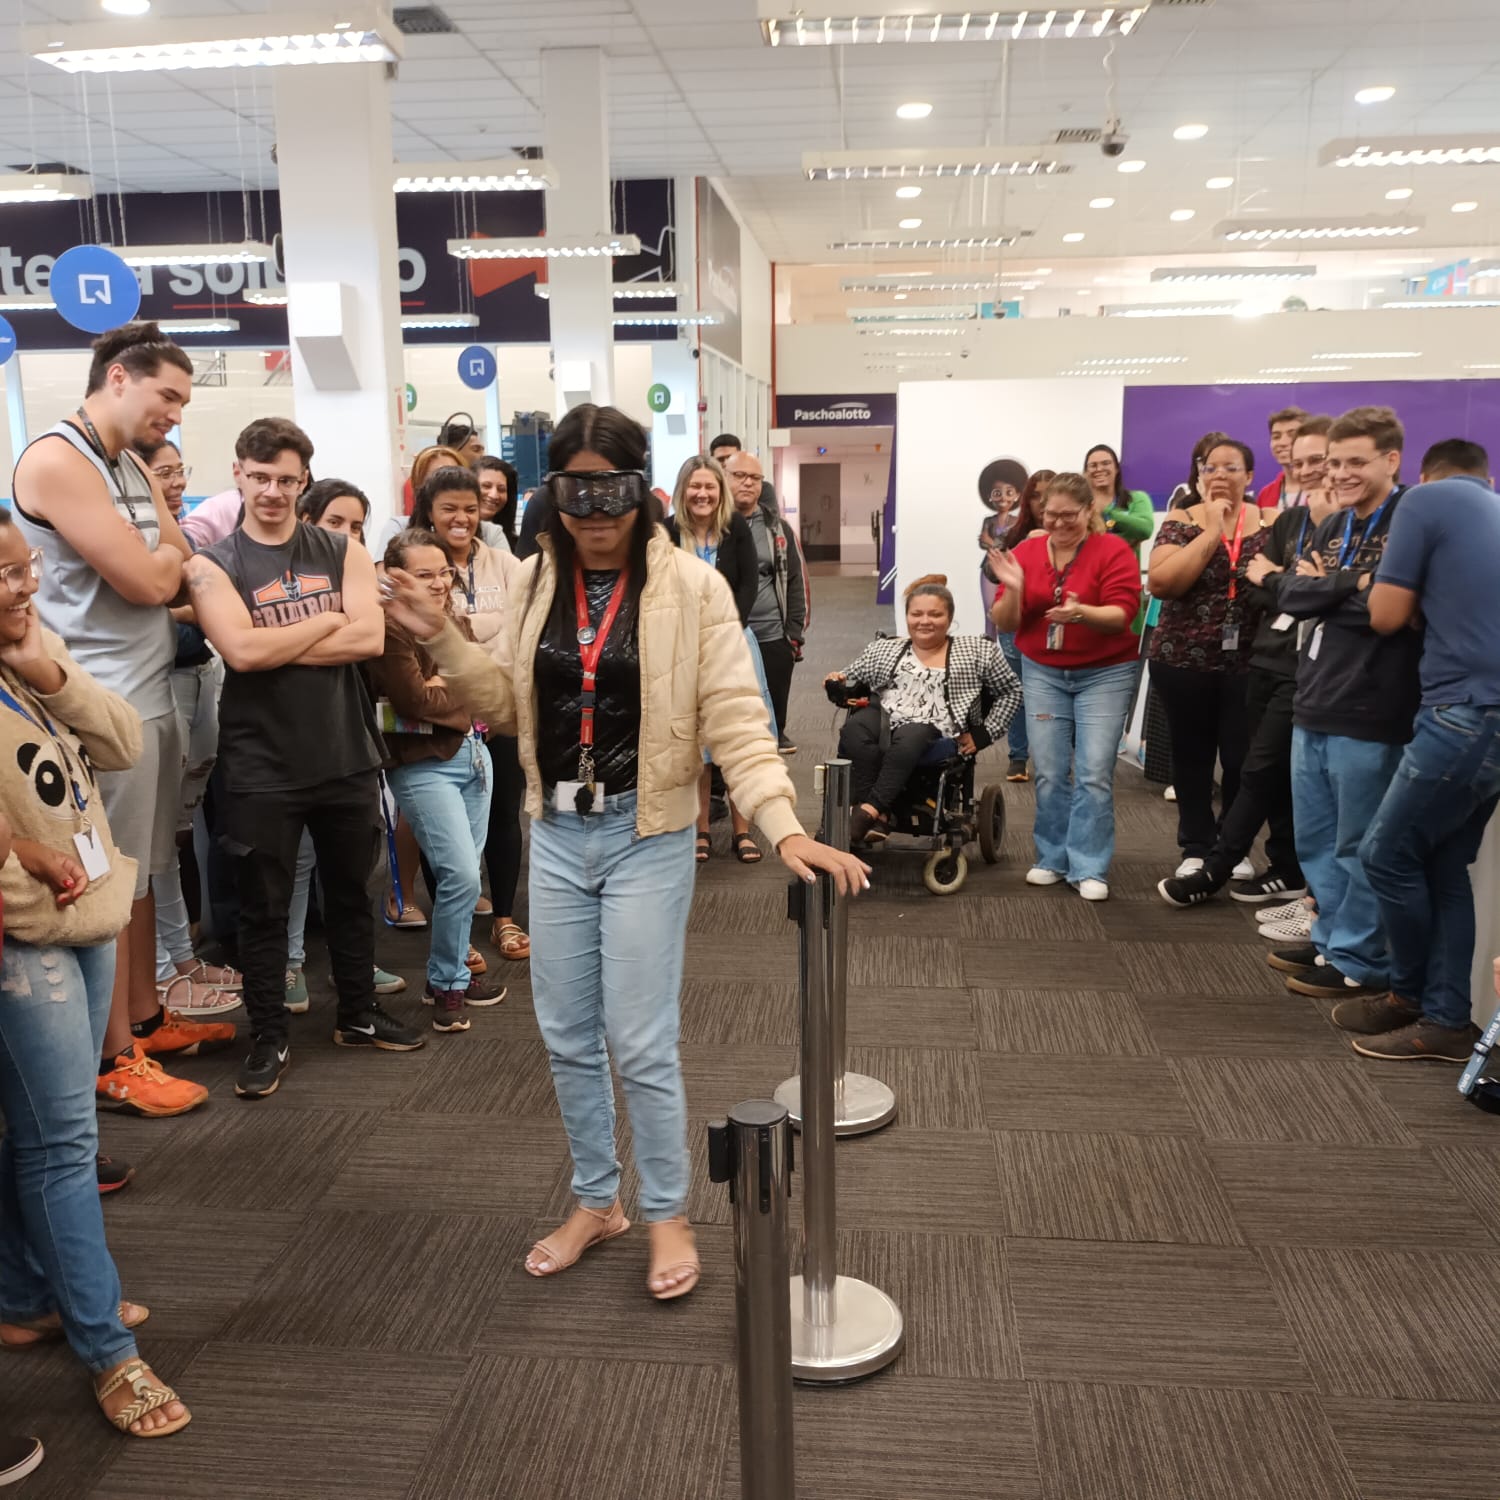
<point x="1069" y="596"/>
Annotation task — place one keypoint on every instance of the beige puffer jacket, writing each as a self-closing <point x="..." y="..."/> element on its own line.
<point x="698" y="687"/>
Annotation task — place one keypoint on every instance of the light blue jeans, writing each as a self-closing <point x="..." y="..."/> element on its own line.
<point x="447" y="803"/>
<point x="1018" y="737"/>
<point x="1075" y="717"/>
<point x="54" y="1003"/>
<point x="609" y="914"/>
<point x="1338" y="785"/>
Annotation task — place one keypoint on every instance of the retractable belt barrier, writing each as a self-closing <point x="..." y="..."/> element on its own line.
<point x="1474" y="1085"/>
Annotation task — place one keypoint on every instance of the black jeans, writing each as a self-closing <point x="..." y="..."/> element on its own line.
<point x="262" y="831"/>
<point x="1265" y="794"/>
<point x="502" y="845"/>
<point x="1206" y="720"/>
<point x="776" y="657"/>
<point x="877" y="775"/>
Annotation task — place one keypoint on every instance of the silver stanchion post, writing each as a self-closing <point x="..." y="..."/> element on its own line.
<point x="842" y="1329"/>
<point x="860" y="1103"/>
<point x="752" y="1152"/>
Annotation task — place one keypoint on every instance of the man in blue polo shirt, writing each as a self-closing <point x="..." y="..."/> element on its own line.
<point x="1438" y="575"/>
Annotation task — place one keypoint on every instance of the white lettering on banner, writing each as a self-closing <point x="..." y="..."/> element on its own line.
<point x="9" y="264"/>
<point x="185" y="280"/>
<point x="840" y="411"/>
<point x="39" y="273"/>
<point x="225" y="279"/>
<point x="415" y="278"/>
<point x="724" y="285"/>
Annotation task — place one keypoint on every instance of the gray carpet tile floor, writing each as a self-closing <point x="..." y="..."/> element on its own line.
<point x="1156" y="1232"/>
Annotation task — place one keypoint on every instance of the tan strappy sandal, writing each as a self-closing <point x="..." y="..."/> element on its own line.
<point x="511" y="941"/>
<point x="47" y="1330"/>
<point x="149" y="1397"/>
<point x="608" y="1224"/>
<point x="663" y="1263"/>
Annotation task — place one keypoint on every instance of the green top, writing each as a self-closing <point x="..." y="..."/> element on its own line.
<point x="1132" y="523"/>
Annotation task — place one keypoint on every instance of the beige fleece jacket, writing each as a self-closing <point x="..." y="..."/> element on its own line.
<point x="493" y="573"/>
<point x="36" y="794"/>
<point x="698" y="687"/>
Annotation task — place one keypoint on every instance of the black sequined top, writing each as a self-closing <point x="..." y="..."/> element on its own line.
<point x="559" y="687"/>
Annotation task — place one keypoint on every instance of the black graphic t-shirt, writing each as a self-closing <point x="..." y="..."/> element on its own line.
<point x="294" y="726"/>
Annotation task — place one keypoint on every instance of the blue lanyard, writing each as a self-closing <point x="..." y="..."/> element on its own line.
<point x="1302" y="535"/>
<point x="709" y="554"/>
<point x="46" y="728"/>
<point x="1345" y="550"/>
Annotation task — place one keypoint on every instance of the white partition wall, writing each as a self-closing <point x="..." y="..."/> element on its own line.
<point x="947" y="431"/>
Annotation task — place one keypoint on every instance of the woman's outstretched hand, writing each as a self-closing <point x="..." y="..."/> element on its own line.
<point x="804" y="856"/>
<point x="409" y="605"/>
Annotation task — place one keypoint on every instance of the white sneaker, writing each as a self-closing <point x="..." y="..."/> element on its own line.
<point x="1038" y="876"/>
<point x="1297" y="930"/>
<point x="1170" y="795"/>
<point x="1093" y="890"/>
<point x="1290" y="912"/>
<point x="1243" y="871"/>
<point x="1188" y="867"/>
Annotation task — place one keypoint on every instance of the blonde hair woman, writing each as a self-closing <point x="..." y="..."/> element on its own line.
<point x="705" y="523"/>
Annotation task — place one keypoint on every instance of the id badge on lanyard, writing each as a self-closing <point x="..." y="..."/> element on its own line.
<point x="585" y="794"/>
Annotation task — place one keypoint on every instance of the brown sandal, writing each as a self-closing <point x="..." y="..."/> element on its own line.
<point x="149" y="1397"/>
<point x="608" y="1224"/>
<point x="46" y="1330"/>
<point x="511" y="941"/>
<point x="475" y="963"/>
<point x="661" y="1266"/>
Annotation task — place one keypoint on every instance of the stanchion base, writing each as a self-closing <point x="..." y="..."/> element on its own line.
<point x="866" y="1337"/>
<point x="866" y="1105"/>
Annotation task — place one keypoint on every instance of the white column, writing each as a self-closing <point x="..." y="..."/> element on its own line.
<point x="575" y="141"/>
<point x="338" y="220"/>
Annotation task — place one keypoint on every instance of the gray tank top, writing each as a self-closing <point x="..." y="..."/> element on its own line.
<point x="127" y="647"/>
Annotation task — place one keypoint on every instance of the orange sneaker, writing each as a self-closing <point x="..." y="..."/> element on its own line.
<point x="177" y="1036"/>
<point x="137" y="1085"/>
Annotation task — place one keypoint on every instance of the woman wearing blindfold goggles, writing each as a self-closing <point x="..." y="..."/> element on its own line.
<point x="623" y="657"/>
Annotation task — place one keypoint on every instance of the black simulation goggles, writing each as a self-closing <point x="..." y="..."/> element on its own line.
<point x="612" y="492"/>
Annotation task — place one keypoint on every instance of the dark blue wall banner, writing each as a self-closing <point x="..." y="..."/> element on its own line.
<point x="719" y="272"/>
<point x="878" y="410"/>
<point x="499" y="292"/>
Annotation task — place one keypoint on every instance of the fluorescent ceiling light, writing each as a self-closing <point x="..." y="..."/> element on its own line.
<point x="506" y="175"/>
<point x="1413" y="151"/>
<point x="1378" y="94"/>
<point x="1216" y="184"/>
<point x="1430" y="302"/>
<point x="267" y="297"/>
<point x="44" y="187"/>
<point x="628" y="291"/>
<point x="843" y="23"/>
<point x="356" y="33"/>
<point x="242" y="253"/>
<point x="911" y="190"/>
<point x="1190" y="132"/>
<point x="1302" y="369"/>
<point x="1482" y="367"/>
<point x="1101" y="202"/>
<point x="1233" y="273"/>
<point x="125" y="7"/>
<point x="1072" y="238"/>
<point x="28" y="302"/>
<point x="913" y="333"/>
<point x="912" y="314"/>
<point x="950" y="161"/>
<point x="1131" y="166"/>
<point x="1398" y="195"/>
<point x="909" y="224"/>
<point x="697" y="318"/>
<point x="1466" y="207"/>
<point x="440" y="320"/>
<point x="1169" y="309"/>
<point x="535" y="247"/>
<point x="1137" y="359"/>
<point x="1484" y="270"/>
<point x="1369" y="227"/>
<point x="1373" y="354"/>
<point x="903" y="281"/>
<point x="1248" y="380"/>
<point x="913" y="111"/>
<point x="978" y="239"/>
<point x="1181" y="215"/>
<point x="198" y="325"/>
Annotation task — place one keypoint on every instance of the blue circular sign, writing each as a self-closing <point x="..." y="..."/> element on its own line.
<point x="477" y="368"/>
<point x="94" y="289"/>
<point x="7" y="341"/>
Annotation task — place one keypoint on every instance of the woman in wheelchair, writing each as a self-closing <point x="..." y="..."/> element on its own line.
<point x="943" y="695"/>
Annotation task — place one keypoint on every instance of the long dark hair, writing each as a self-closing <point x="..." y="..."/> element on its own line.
<point x="1201" y="449"/>
<point x="1026" y="522"/>
<point x="316" y="498"/>
<point x="505" y="517"/>
<point x="450" y="478"/>
<point x="621" y="440"/>
<point x="1122" y="495"/>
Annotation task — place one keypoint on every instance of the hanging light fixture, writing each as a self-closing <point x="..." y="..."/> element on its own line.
<point x="44" y="187"/>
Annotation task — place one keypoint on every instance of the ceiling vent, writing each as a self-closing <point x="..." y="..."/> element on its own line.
<point x="1078" y="135"/>
<point x="422" y="20"/>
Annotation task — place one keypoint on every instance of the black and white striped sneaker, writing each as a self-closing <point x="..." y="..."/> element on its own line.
<point x="1187" y="890"/>
<point x="1266" y="887"/>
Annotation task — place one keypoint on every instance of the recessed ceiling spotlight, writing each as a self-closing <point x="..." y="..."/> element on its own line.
<point x="125" y="7"/>
<point x="900" y="297"/>
<point x="1398" y="195"/>
<point x="1215" y="184"/>
<point x="1131" y="166"/>
<point x="911" y="190"/>
<point x="1376" y="95"/>
<point x="1042" y="271"/>
<point x="1466" y="207"/>
<point x="913" y="111"/>
<point x="1182" y="215"/>
<point x="1190" y="132"/>
<point x="1101" y="202"/>
<point x="910" y="224"/>
<point x="1072" y="239"/>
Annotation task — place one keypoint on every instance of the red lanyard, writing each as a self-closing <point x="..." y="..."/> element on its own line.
<point x="590" y="648"/>
<point x="1234" y="551"/>
<point x="1060" y="576"/>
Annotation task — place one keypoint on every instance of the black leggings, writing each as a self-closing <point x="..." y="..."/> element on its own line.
<point x="877" y="775"/>
<point x="1207" y="716"/>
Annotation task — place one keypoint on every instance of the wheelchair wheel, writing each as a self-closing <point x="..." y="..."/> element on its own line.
<point x="992" y="824"/>
<point x="945" y="871"/>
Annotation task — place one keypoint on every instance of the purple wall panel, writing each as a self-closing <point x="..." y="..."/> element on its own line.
<point x="1162" y="422"/>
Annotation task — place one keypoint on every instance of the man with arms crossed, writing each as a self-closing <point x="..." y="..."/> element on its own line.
<point x="291" y="609"/>
<point x="114" y="560"/>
